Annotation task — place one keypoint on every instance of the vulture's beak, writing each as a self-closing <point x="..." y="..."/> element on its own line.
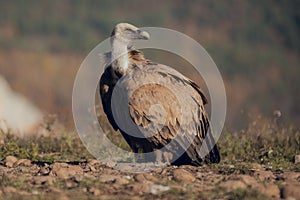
<point x="142" y="35"/>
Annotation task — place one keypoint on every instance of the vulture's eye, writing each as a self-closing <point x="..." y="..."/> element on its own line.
<point x="129" y="30"/>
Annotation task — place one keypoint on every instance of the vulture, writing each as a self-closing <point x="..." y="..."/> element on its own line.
<point x="162" y="101"/>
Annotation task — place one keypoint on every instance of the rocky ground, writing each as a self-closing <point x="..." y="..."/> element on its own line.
<point x="91" y="179"/>
<point x="261" y="162"/>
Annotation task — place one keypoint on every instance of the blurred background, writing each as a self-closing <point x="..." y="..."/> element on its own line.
<point x="255" y="44"/>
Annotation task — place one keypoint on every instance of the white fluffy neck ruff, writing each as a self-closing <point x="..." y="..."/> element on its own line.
<point x="119" y="56"/>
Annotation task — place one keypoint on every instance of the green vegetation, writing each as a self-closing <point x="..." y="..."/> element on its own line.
<point x="269" y="145"/>
<point x="266" y="146"/>
<point x="266" y="143"/>
<point x="63" y="148"/>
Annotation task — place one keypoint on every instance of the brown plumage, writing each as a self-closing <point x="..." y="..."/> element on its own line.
<point x="168" y="106"/>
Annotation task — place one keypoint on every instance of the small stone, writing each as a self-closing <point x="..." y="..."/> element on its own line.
<point x="43" y="180"/>
<point x="140" y="178"/>
<point x="183" y="176"/>
<point x="140" y="188"/>
<point x="233" y="184"/>
<point x="291" y="191"/>
<point x="22" y="162"/>
<point x="10" y="161"/>
<point x="77" y="178"/>
<point x="93" y="162"/>
<point x="94" y="191"/>
<point x="164" y="171"/>
<point x="70" y="184"/>
<point x="56" y="166"/>
<point x="110" y="164"/>
<point x="150" y="177"/>
<point x="155" y="189"/>
<point x="107" y="178"/>
<point x="122" y="181"/>
<point x="292" y="176"/>
<point x="257" y="167"/>
<point x="44" y="170"/>
<point x="264" y="175"/>
<point x="92" y="168"/>
<point x="34" y="192"/>
<point x="297" y="159"/>
<point x="55" y="190"/>
<point x="158" y="171"/>
<point x="248" y="180"/>
<point x="124" y="168"/>
<point x="231" y="166"/>
<point x="270" y="190"/>
<point x="64" y="171"/>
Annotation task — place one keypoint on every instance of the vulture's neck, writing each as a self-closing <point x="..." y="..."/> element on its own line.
<point x="119" y="57"/>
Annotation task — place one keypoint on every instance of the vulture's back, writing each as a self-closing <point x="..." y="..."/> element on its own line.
<point x="167" y="108"/>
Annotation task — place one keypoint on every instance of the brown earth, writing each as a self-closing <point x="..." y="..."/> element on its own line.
<point x="23" y="179"/>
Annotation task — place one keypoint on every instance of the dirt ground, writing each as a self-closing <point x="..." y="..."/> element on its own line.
<point x="92" y="179"/>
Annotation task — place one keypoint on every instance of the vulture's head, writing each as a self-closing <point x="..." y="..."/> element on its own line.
<point x="126" y="33"/>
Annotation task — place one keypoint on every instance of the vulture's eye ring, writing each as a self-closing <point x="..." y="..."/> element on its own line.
<point x="129" y="30"/>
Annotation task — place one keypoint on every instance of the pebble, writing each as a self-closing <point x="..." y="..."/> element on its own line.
<point x="10" y="161"/>
<point x="43" y="180"/>
<point x="78" y="178"/>
<point x="291" y="191"/>
<point x="44" y="170"/>
<point x="64" y="171"/>
<point x="264" y="175"/>
<point x="239" y="181"/>
<point x="124" y="168"/>
<point x="270" y="190"/>
<point x="183" y="176"/>
<point x="93" y="162"/>
<point x="107" y="178"/>
<point x="248" y="180"/>
<point x="92" y="169"/>
<point x="22" y="162"/>
<point x="122" y="181"/>
<point x="150" y="177"/>
<point x="140" y="188"/>
<point x="70" y="184"/>
<point x="94" y="191"/>
<point x="156" y="189"/>
<point x="110" y="164"/>
<point x="140" y="178"/>
<point x="233" y="184"/>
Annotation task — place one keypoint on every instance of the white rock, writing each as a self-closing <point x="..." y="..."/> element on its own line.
<point x="16" y="112"/>
<point x="155" y="189"/>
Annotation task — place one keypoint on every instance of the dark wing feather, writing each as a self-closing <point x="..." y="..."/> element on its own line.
<point x="183" y="104"/>
<point x="107" y="83"/>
